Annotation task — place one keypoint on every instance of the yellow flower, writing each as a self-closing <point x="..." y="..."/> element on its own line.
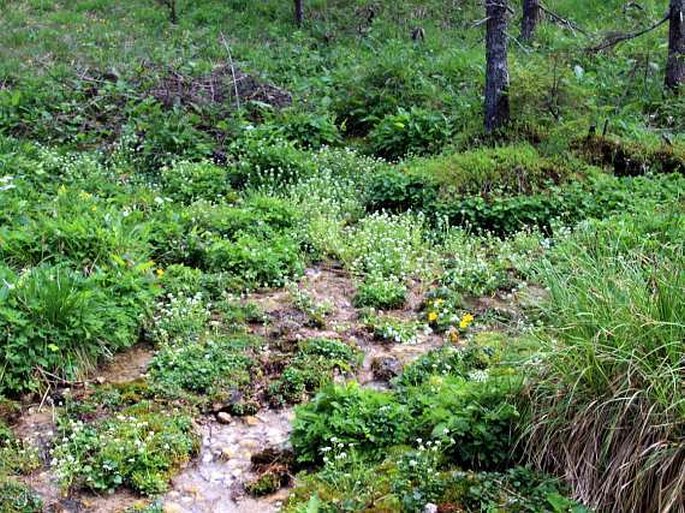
<point x="432" y="316"/>
<point x="160" y="272"/>
<point x="465" y="321"/>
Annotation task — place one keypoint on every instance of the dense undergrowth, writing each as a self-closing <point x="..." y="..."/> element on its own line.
<point x="140" y="200"/>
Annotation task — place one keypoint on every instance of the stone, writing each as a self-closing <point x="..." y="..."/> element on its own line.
<point x="251" y="421"/>
<point x="224" y="418"/>
<point x="172" y="507"/>
<point x="386" y="368"/>
<point x="226" y="454"/>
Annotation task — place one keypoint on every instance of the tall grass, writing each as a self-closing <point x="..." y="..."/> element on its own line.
<point x="609" y="410"/>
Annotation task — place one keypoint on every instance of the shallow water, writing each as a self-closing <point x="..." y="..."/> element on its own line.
<point x="213" y="483"/>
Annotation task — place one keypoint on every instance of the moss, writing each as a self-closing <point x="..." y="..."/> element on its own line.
<point x="508" y="170"/>
<point x="265" y="484"/>
<point x="631" y="158"/>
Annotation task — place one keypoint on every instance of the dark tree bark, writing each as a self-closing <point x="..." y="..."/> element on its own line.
<point x="531" y="16"/>
<point x="675" y="66"/>
<point x="299" y="13"/>
<point x="497" y="72"/>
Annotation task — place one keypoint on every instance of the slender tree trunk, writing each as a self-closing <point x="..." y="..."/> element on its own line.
<point x="497" y="72"/>
<point x="299" y="13"/>
<point x="172" y="12"/>
<point x="531" y="16"/>
<point x="675" y="67"/>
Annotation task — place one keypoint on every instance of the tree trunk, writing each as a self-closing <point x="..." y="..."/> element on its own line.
<point x="531" y="16"/>
<point x="675" y="66"/>
<point x="299" y="13"/>
<point x="497" y="72"/>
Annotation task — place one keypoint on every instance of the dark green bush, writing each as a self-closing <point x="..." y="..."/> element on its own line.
<point x="415" y="131"/>
<point x="349" y="414"/>
<point x="208" y="367"/>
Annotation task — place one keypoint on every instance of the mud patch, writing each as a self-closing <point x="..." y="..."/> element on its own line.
<point x="126" y="367"/>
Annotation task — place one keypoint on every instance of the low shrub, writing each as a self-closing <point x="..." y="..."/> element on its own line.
<point x="415" y="131"/>
<point x="255" y="262"/>
<point x="210" y="367"/>
<point x="186" y="182"/>
<point x="139" y="448"/>
<point x="380" y="293"/>
<point x="312" y="367"/>
<point x="16" y="497"/>
<point x="348" y="414"/>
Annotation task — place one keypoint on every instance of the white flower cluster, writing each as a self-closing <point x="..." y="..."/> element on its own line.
<point x="180" y="317"/>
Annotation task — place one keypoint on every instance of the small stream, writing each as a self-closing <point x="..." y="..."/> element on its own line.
<point x="213" y="482"/>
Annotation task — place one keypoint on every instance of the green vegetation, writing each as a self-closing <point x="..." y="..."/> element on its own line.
<point x="138" y="448"/>
<point x="168" y="177"/>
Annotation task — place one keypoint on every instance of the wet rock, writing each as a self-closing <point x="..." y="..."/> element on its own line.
<point x="226" y="454"/>
<point x="386" y="368"/>
<point x="272" y="455"/>
<point x="224" y="418"/>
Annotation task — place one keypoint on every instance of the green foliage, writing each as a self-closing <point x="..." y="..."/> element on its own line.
<point x="394" y="191"/>
<point x="612" y="359"/>
<point x="381" y="293"/>
<point x="139" y="448"/>
<point x="312" y="367"/>
<point x="186" y="182"/>
<point x="518" y="490"/>
<point x="57" y="320"/>
<point x="16" y="497"/>
<point x="501" y="171"/>
<point x="179" y="319"/>
<point x="349" y="414"/>
<point x="471" y="361"/>
<point x="209" y="367"/>
<point x="415" y="131"/>
<point x="253" y="263"/>
<point x="307" y="129"/>
<point x="386" y="328"/>
<point x="17" y="457"/>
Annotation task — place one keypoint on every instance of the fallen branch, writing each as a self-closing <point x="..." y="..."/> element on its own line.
<point x="614" y="39"/>
<point x="563" y="21"/>
<point x="230" y="61"/>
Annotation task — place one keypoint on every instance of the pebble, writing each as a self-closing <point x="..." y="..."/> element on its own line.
<point x="224" y="418"/>
<point x="252" y="421"/>
<point x="172" y="507"/>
